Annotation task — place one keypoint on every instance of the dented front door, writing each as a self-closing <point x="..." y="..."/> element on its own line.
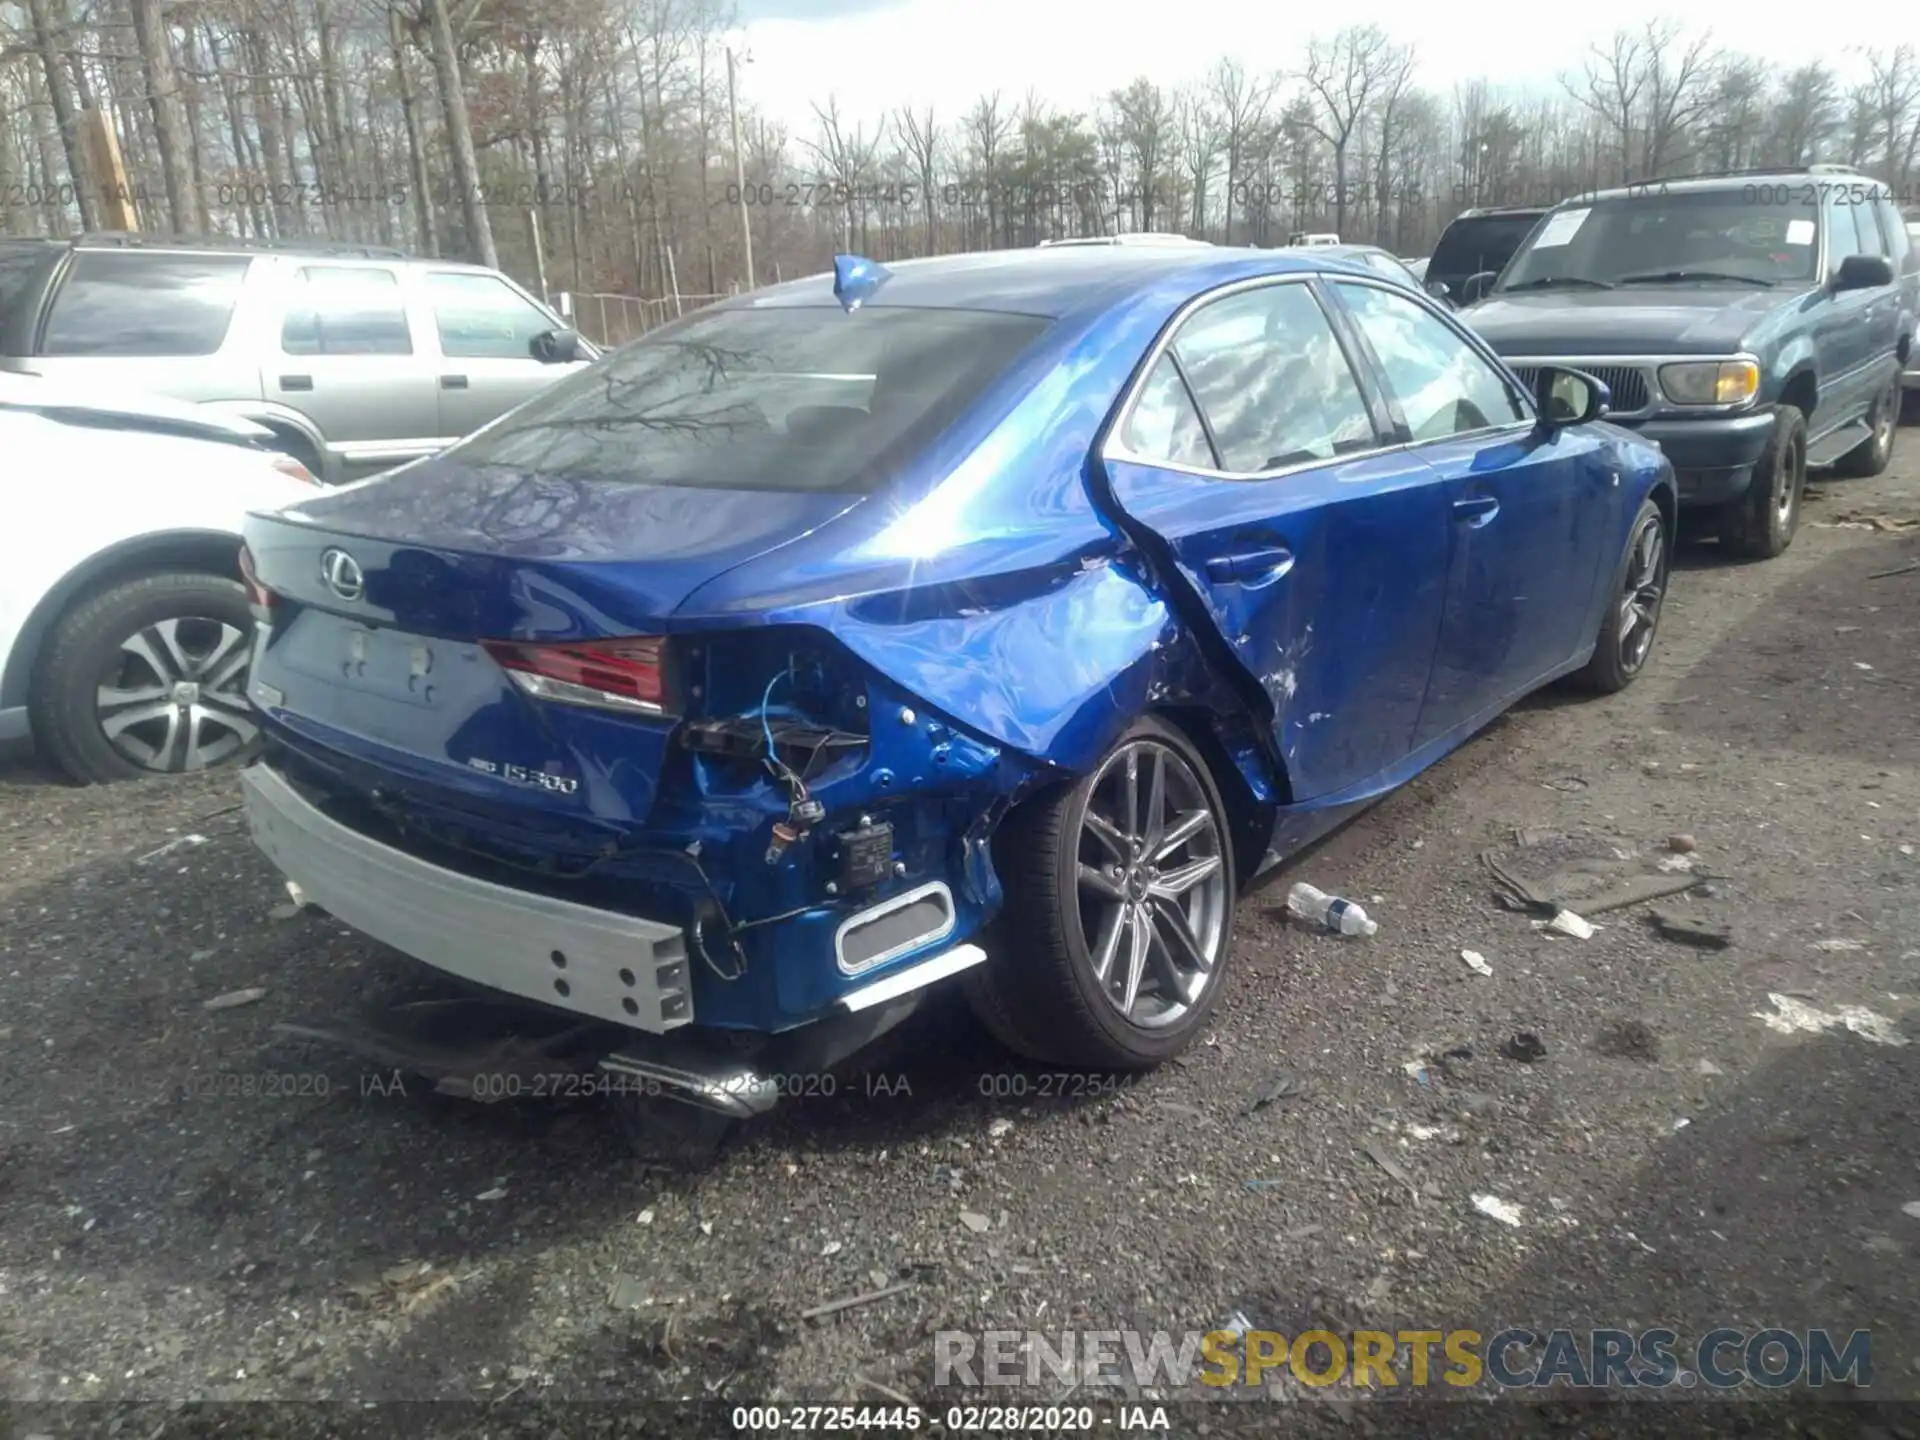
<point x="1253" y="455"/>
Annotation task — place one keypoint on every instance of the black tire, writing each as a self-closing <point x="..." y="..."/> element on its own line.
<point x="84" y="652"/>
<point x="1623" y="650"/>
<point x="1873" y="454"/>
<point x="1763" y="523"/>
<point x="1037" y="991"/>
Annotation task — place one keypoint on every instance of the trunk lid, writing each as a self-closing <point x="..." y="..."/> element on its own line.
<point x="384" y="592"/>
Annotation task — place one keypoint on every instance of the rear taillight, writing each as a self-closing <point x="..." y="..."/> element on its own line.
<point x="294" y="470"/>
<point x="257" y="594"/>
<point x="625" y="674"/>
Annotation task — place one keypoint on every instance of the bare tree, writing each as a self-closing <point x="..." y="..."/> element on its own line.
<point x="1343" y="76"/>
<point x="1242" y="105"/>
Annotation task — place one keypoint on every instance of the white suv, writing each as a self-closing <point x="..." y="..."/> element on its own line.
<point x="125" y="630"/>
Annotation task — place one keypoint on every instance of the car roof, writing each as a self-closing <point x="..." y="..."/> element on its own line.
<point x="1056" y="282"/>
<point x="1735" y="179"/>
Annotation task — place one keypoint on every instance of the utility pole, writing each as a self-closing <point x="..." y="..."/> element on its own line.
<point x="739" y="172"/>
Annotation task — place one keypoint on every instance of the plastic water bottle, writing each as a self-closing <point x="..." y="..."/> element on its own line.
<point x="1335" y="914"/>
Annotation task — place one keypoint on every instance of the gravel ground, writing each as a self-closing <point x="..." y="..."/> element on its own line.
<point x="169" y="1234"/>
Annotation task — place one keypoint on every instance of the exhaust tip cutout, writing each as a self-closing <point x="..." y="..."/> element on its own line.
<point x="626" y="675"/>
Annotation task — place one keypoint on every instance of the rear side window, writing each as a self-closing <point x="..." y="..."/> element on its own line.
<point x="1273" y="381"/>
<point x="345" y="310"/>
<point x="1163" y="425"/>
<point x="1483" y="242"/>
<point x="22" y="263"/>
<point x="1899" y="243"/>
<point x="133" y="305"/>
<point x="775" y="399"/>
<point x="480" y="317"/>
<point x="1843" y="234"/>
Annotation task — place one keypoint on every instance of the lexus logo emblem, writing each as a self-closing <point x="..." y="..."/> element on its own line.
<point x="342" y="574"/>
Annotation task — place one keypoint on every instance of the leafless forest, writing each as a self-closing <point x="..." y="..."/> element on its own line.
<point x="443" y="126"/>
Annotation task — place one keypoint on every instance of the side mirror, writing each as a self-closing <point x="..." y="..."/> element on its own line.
<point x="556" y="347"/>
<point x="1569" y="397"/>
<point x="1863" y="272"/>
<point x="1476" y="285"/>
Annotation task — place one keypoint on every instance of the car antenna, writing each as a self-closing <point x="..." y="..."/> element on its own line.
<point x="855" y="278"/>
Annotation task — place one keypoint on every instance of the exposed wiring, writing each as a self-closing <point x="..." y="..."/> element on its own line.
<point x="796" y="786"/>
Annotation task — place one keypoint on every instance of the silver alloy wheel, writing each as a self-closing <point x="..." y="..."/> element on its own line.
<point x="1152" y="892"/>
<point x="1786" y="480"/>
<point x="177" y="698"/>
<point x="1886" y="415"/>
<point x="1640" y="596"/>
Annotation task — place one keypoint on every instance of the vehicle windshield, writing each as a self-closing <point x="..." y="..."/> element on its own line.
<point x="776" y="399"/>
<point x="1756" y="235"/>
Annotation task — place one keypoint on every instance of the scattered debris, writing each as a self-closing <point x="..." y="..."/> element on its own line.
<point x="975" y="1221"/>
<point x="1681" y="1124"/>
<point x="999" y="1127"/>
<point x="1237" y="1324"/>
<point x="1494" y="1208"/>
<point x="235" y="998"/>
<point x="1912" y="1207"/>
<point x="1795" y="1017"/>
<point x="1628" y="1040"/>
<point x="184" y="842"/>
<point x="1277" y="1089"/>
<point x="831" y="1249"/>
<point x="1393" y="1167"/>
<point x="1526" y="1047"/>
<point x="1261" y="1186"/>
<point x="1568" y="923"/>
<point x="1692" y="928"/>
<point x="1329" y="912"/>
<point x="834" y="1307"/>
<point x="1566" y="784"/>
<point x="888" y="1391"/>
<point x="627" y="1293"/>
<point x="1682" y="844"/>
<point x="1707" y="1067"/>
<point x="1675" y="865"/>
<point x="1417" y="1068"/>
<point x="1832" y="947"/>
<point x="499" y="1192"/>
<point x="1476" y="962"/>
<point x="880" y="1279"/>
<point x="1906" y="569"/>
<point x="645" y="1217"/>
<point x="1638" y="889"/>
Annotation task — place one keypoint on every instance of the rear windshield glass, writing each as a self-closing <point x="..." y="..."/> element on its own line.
<point x="1756" y="235"/>
<point x="1483" y="242"/>
<point x="790" y="399"/>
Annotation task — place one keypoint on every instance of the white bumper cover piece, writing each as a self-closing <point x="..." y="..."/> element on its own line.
<point x="599" y="963"/>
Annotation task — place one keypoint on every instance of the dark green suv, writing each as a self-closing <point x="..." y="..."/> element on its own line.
<point x="1753" y="324"/>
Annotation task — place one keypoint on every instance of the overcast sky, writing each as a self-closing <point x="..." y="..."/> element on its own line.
<point x="877" y="55"/>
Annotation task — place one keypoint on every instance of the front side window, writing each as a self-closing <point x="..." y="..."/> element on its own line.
<point x="481" y="317"/>
<point x="1443" y="384"/>
<point x="1758" y="235"/>
<point x="1273" y="381"/>
<point x="345" y="310"/>
<point x="787" y="398"/>
<point x="140" y="306"/>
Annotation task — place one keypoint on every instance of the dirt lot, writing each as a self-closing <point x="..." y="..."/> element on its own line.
<point x="166" y="1236"/>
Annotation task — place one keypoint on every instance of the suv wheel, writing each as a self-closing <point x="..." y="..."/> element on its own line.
<point x="1762" y="524"/>
<point x="1872" y="455"/>
<point x="147" y="677"/>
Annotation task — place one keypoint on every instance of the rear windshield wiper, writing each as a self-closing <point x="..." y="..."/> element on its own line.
<point x="1680" y="277"/>
<point x="1548" y="282"/>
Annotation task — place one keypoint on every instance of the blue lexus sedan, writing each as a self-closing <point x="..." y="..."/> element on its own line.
<point x="994" y="617"/>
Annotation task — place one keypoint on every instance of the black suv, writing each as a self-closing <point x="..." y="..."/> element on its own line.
<point x="1478" y="240"/>
<point x="1754" y="324"/>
